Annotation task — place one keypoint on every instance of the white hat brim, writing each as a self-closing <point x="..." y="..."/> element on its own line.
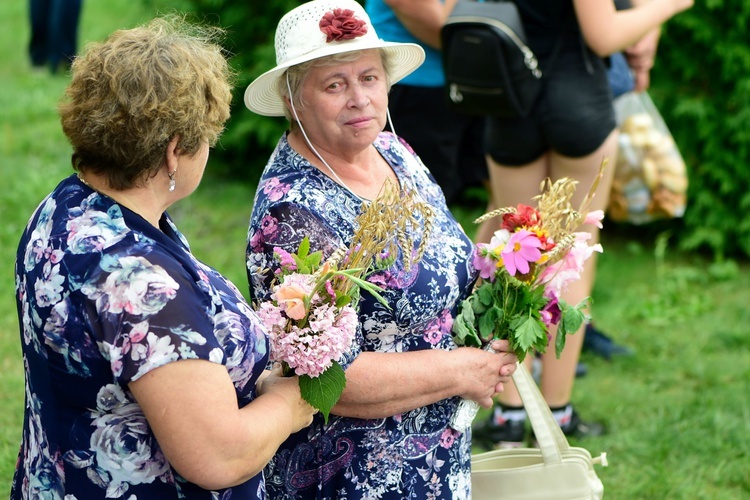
<point x="262" y="95"/>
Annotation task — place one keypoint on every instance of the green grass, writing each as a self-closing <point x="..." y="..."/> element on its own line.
<point x="678" y="413"/>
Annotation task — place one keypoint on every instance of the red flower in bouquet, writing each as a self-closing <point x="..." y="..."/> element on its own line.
<point x="523" y="216"/>
<point x="525" y="267"/>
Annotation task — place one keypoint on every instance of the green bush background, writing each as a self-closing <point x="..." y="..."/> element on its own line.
<point x="701" y="82"/>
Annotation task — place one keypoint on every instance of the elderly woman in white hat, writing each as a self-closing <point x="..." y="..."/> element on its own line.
<point x="389" y="436"/>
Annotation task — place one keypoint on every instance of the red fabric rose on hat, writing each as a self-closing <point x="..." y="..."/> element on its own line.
<point x="341" y="25"/>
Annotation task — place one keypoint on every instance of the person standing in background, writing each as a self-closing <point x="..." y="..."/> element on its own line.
<point x="450" y="144"/>
<point x="570" y="130"/>
<point x="54" y="33"/>
<point x="629" y="71"/>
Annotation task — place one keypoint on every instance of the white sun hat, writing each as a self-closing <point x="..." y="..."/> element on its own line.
<point x="323" y="28"/>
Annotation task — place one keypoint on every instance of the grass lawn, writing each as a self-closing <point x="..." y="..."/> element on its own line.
<point x="678" y="413"/>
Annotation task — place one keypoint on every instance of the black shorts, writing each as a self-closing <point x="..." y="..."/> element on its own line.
<point x="451" y="145"/>
<point x="573" y="115"/>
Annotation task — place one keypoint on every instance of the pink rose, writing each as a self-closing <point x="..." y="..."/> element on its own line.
<point x="292" y="298"/>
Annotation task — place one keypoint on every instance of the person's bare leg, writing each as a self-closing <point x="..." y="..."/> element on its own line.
<point x="510" y="186"/>
<point x="558" y="375"/>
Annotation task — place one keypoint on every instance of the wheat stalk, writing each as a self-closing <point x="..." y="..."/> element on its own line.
<point x="391" y="222"/>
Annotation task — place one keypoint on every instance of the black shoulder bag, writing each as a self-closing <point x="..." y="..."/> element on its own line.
<point x="489" y="68"/>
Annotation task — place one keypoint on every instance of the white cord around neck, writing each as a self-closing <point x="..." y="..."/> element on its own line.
<point x="315" y="151"/>
<point x="309" y="143"/>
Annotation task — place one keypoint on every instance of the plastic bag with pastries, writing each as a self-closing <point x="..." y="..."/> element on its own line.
<point x="650" y="175"/>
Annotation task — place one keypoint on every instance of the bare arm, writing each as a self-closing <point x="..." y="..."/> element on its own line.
<point x="192" y="408"/>
<point x="607" y="30"/>
<point x="380" y="385"/>
<point x="641" y="55"/>
<point x="422" y="18"/>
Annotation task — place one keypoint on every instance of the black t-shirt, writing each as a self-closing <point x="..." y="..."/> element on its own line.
<point x="545" y="21"/>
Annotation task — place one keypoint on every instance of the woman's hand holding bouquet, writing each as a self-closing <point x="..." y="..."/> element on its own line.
<point x="524" y="268"/>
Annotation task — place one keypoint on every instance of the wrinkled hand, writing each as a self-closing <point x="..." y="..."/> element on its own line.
<point x="503" y="347"/>
<point x="487" y="371"/>
<point x="287" y="388"/>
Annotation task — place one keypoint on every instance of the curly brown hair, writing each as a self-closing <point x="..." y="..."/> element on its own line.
<point x="141" y="87"/>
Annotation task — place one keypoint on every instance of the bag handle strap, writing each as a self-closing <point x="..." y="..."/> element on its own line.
<point x="560" y="38"/>
<point x="551" y="439"/>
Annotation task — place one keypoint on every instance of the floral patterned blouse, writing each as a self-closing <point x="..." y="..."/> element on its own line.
<point x="103" y="298"/>
<point x="410" y="455"/>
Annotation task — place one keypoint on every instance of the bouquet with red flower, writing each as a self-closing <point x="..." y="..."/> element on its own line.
<point x="523" y="269"/>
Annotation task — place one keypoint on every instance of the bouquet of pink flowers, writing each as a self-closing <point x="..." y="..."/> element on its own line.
<point x="524" y="268"/>
<point x="312" y="315"/>
<point x="312" y="323"/>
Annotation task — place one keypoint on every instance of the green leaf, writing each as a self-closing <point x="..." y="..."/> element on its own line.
<point x="571" y="321"/>
<point x="302" y="266"/>
<point x="463" y="328"/>
<point x="477" y="305"/>
<point x="467" y="311"/>
<point x="572" y="317"/>
<point x="313" y="260"/>
<point x="485" y="294"/>
<point x="560" y="338"/>
<point x="307" y="262"/>
<point x="488" y="322"/>
<point x="304" y="248"/>
<point x="342" y="300"/>
<point x="323" y="391"/>
<point x="528" y="332"/>
<point x="371" y="288"/>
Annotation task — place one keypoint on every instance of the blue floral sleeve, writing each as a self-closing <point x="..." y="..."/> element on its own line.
<point x="103" y="298"/>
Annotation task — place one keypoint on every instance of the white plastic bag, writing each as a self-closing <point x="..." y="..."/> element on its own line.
<point x="650" y="177"/>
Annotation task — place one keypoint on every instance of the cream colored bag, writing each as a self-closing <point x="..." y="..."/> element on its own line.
<point x="555" y="470"/>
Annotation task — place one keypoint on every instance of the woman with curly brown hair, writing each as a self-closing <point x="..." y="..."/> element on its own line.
<point x="144" y="367"/>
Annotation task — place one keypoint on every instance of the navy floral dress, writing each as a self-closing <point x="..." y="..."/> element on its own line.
<point x="103" y="298"/>
<point x="411" y="455"/>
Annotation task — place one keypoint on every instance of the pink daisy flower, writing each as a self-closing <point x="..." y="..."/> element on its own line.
<point x="522" y="248"/>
